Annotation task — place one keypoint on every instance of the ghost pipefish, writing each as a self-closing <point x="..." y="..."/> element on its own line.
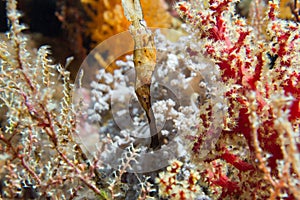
<point x="144" y="58"/>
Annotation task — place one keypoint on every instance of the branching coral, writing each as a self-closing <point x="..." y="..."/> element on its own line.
<point x="40" y="156"/>
<point x="262" y="78"/>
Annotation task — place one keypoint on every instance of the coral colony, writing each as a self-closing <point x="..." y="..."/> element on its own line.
<point x="225" y="97"/>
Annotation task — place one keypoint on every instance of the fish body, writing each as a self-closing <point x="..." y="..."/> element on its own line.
<point x="144" y="58"/>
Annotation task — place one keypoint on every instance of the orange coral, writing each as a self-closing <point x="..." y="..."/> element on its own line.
<point x="107" y="18"/>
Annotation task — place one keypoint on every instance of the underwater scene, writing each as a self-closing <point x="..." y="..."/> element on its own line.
<point x="141" y="100"/>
